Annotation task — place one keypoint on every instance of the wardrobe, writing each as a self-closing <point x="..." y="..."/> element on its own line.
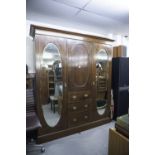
<point x="73" y="81"/>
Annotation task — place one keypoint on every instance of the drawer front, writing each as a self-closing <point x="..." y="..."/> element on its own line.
<point x="78" y="96"/>
<point x="79" y="106"/>
<point x="78" y="118"/>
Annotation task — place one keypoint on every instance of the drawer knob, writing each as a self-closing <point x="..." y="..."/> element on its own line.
<point x="65" y="85"/>
<point x="85" y="116"/>
<point x="85" y="95"/>
<point x="86" y="105"/>
<point x="74" y="120"/>
<point x="74" y="97"/>
<point x="74" y="107"/>
<point x="93" y="83"/>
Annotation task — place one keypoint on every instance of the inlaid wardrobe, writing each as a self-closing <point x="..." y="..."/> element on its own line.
<point x="73" y="81"/>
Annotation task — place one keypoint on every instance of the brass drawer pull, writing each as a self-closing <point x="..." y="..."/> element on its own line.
<point x="85" y="117"/>
<point x="65" y="85"/>
<point x="74" y="97"/>
<point x="74" y="107"/>
<point x="74" y="120"/>
<point x="86" y="105"/>
<point x="85" y="95"/>
<point x="93" y="83"/>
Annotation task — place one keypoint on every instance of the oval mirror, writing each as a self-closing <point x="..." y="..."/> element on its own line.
<point x="101" y="81"/>
<point x="52" y="86"/>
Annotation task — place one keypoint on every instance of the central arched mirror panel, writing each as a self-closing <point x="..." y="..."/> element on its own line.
<point x="101" y="81"/>
<point x="53" y="85"/>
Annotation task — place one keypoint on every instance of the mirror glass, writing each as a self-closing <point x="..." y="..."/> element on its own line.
<point x="101" y="81"/>
<point x="52" y="84"/>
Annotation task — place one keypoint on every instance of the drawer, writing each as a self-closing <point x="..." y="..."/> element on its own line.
<point x="78" y="96"/>
<point x="79" y="106"/>
<point x="79" y="118"/>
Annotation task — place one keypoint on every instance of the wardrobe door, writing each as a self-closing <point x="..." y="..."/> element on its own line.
<point x="50" y="79"/>
<point x="79" y="65"/>
<point x="102" y="78"/>
<point x="79" y="81"/>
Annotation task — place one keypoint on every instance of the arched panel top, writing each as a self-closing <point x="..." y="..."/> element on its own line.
<point x="50" y="55"/>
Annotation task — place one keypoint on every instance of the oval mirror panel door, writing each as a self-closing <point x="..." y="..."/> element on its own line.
<point x="51" y="84"/>
<point x="101" y="81"/>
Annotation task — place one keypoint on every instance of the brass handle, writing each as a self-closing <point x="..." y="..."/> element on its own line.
<point x="85" y="116"/>
<point x="74" y="97"/>
<point x="65" y="85"/>
<point x="74" y="119"/>
<point x="85" y="95"/>
<point x="93" y="83"/>
<point x="86" y="105"/>
<point x="74" y="107"/>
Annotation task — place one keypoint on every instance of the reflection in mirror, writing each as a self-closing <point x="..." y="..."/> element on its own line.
<point x="101" y="81"/>
<point x="52" y="64"/>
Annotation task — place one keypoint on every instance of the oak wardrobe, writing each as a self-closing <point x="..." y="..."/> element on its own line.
<point x="73" y="81"/>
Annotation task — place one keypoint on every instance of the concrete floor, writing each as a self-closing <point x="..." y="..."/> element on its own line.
<point x="90" y="142"/>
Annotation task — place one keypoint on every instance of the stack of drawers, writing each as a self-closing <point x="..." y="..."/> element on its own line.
<point x="79" y="107"/>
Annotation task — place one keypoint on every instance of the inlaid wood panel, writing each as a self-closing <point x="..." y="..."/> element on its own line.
<point x="79" y="65"/>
